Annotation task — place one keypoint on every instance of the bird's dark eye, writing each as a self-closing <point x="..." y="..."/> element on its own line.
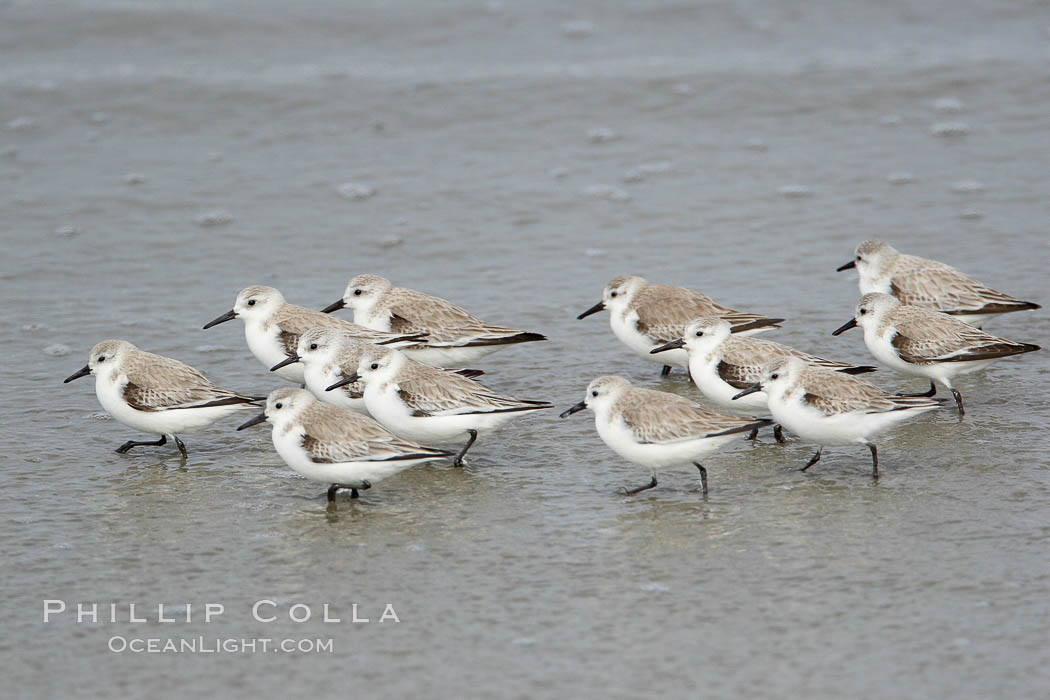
<point x="614" y="294"/>
<point x="594" y="393"/>
<point x="313" y="346"/>
<point x="375" y="365"/>
<point x="251" y="302"/>
<point x="357" y="292"/>
<point x="101" y="358"/>
<point x="773" y="376"/>
<point x="699" y="333"/>
<point x="863" y="311"/>
<point x="859" y="258"/>
<point x="278" y="405"/>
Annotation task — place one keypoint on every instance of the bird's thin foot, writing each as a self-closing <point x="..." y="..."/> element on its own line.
<point x="137" y="443"/>
<point x="630" y="492"/>
<point x="778" y="433"/>
<point x="813" y="460"/>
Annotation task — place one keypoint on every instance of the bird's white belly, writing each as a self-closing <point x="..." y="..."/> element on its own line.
<point x="705" y="376"/>
<point x="165" y="422"/>
<point x="624" y="327"/>
<point x="289" y="447"/>
<point x="317" y="378"/>
<point x="387" y="407"/>
<point x="267" y="348"/>
<point x="621" y="439"/>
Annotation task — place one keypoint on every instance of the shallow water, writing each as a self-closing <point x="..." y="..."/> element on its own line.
<point x="157" y="159"/>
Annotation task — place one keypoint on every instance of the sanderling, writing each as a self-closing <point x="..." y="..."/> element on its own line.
<point x="832" y="408"/>
<point x="656" y="429"/>
<point x="156" y="394"/>
<point x="645" y="316"/>
<point x="335" y="446"/>
<point x="926" y="343"/>
<point x="454" y="336"/>
<point x="721" y="364"/>
<point x="917" y="281"/>
<point x="429" y="404"/>
<point x="272" y="328"/>
<point x="330" y="355"/>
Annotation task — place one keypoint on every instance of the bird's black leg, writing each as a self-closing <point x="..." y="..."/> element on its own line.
<point x="665" y="371"/>
<point x="134" y="443"/>
<point x="331" y="492"/>
<point x="753" y="434"/>
<point x="703" y="476"/>
<point x="631" y="492"/>
<point x="958" y="401"/>
<point x="458" y="461"/>
<point x="814" y="460"/>
<point x="778" y="433"/>
<point x="365" y="485"/>
<point x="925" y="394"/>
<point x="181" y="446"/>
<point x="874" y="461"/>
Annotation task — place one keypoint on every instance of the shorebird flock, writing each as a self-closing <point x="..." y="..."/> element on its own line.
<point x="394" y="388"/>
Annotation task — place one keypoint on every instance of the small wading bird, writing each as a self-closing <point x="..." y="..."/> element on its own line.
<point x="721" y="364"/>
<point x="156" y="394"/>
<point x="335" y="446"/>
<point x="656" y="429"/>
<point x="430" y="404"/>
<point x="454" y="335"/>
<point x="832" y="408"/>
<point x="330" y="356"/>
<point x="272" y="328"/>
<point x="646" y="316"/>
<point x="930" y="284"/>
<point x="924" y="343"/>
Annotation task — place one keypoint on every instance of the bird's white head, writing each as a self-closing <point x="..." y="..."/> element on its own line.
<point x="781" y="375"/>
<point x="617" y="294"/>
<point x="364" y="291"/>
<point x="705" y="334"/>
<point x="257" y="303"/>
<point x="319" y="345"/>
<point x="285" y="405"/>
<point x="379" y="364"/>
<point x="873" y="260"/>
<point x="108" y="357"/>
<point x="873" y="308"/>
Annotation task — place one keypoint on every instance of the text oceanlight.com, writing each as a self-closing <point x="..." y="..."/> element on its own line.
<point x="204" y="645"/>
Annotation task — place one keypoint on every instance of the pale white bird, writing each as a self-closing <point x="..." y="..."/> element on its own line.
<point x="930" y="284"/>
<point x="646" y="316"/>
<point x="156" y="394"/>
<point x="924" y="343"/>
<point x="454" y="336"/>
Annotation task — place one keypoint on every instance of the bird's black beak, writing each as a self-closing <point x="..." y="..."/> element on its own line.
<point x="848" y="266"/>
<point x="228" y="316"/>
<point x="852" y="323"/>
<point x="751" y="390"/>
<point x="575" y="409"/>
<point x="343" y="382"/>
<point x="669" y="346"/>
<point x="600" y="306"/>
<point x="290" y="360"/>
<point x="334" y="306"/>
<point x="261" y="418"/>
<point x="82" y="372"/>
